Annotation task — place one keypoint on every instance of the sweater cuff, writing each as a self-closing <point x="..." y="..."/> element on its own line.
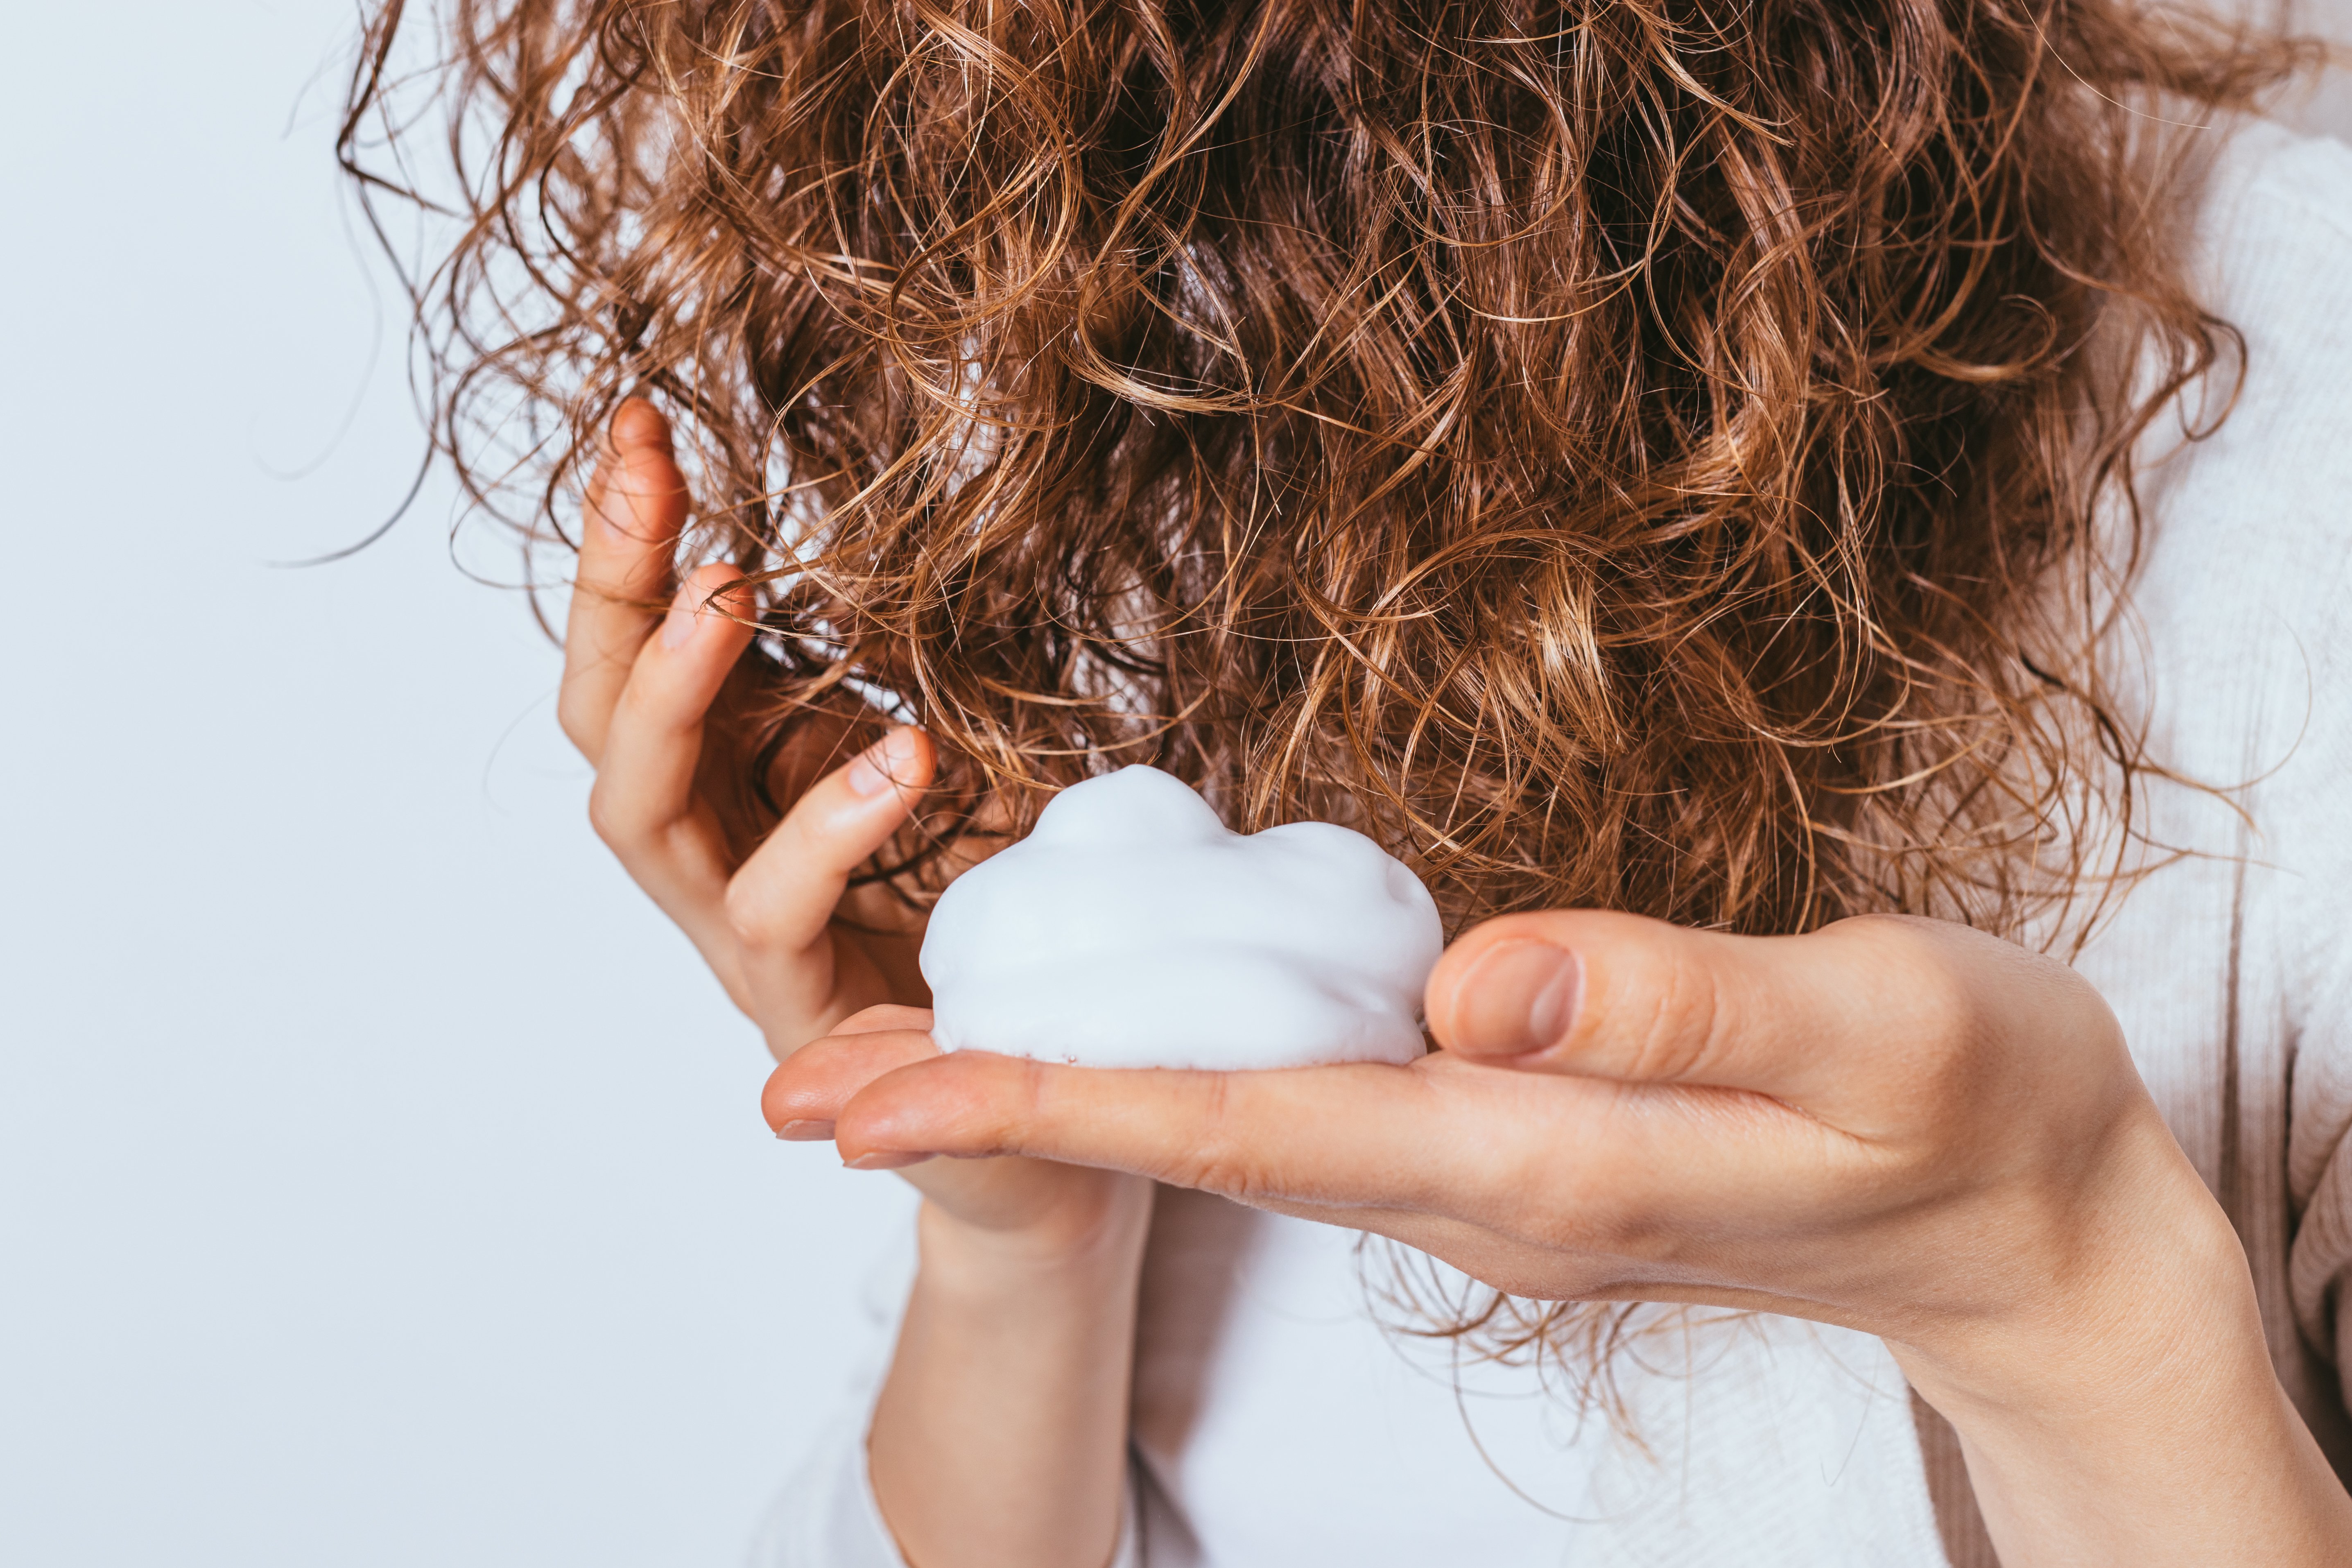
<point x="826" y="1516"/>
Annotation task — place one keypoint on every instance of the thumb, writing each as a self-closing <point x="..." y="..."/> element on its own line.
<point x="1803" y="1018"/>
<point x="783" y="899"/>
<point x="807" y="1090"/>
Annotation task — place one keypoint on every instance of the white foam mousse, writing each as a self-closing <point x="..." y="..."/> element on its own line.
<point x="1131" y="929"/>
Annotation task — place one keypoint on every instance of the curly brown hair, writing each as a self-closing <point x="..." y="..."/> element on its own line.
<point x="1634" y="453"/>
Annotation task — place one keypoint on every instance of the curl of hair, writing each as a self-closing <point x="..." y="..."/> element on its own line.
<point x="1634" y="453"/>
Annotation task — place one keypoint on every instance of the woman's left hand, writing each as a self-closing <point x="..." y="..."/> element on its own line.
<point x="1895" y="1124"/>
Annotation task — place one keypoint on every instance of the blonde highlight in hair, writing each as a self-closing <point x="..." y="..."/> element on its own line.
<point x="1644" y="454"/>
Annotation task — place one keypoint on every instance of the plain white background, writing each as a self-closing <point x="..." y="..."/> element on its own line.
<point x="381" y="1177"/>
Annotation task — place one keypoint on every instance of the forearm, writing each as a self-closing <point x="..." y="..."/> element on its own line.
<point x="1000" y="1438"/>
<point x="2240" y="1480"/>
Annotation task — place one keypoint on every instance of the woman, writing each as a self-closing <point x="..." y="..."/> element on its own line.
<point x="1815" y="528"/>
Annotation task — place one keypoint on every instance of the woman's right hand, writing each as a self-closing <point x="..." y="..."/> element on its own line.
<point x="638" y="686"/>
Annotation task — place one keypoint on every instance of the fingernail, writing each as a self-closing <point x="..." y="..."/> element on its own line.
<point x="884" y="1161"/>
<point x="878" y="765"/>
<point x="678" y="625"/>
<point x="808" y="1131"/>
<point x="1520" y="996"/>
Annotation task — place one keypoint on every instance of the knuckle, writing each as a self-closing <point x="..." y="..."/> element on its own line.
<point x="759" y="909"/>
<point x="610" y="815"/>
<point x="578" y="724"/>
<point x="1679" y="1036"/>
<point x="1001" y="1102"/>
<point x="749" y="913"/>
<point x="1920" y="982"/>
<point x="1592" y="1208"/>
<point x="1225" y="1173"/>
<point x="1217" y="1160"/>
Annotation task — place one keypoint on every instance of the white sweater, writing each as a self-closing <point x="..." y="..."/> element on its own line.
<point x="1278" y="1425"/>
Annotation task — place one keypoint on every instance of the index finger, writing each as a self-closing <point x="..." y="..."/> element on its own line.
<point x="1358" y="1135"/>
<point x="1544" y="1158"/>
<point x="636" y="506"/>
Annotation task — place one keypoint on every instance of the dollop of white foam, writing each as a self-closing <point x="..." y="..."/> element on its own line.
<point x="1132" y="929"/>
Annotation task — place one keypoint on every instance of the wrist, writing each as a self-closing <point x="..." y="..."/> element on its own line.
<point x="2132" y="1297"/>
<point x="1095" y="1238"/>
<point x="2124" y="1408"/>
<point x="1000" y="1435"/>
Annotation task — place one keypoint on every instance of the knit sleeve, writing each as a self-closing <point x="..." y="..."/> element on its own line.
<point x="2319" y="870"/>
<point x="2300" y="850"/>
<point x="826" y="1517"/>
<point x="2319" y="1130"/>
<point x="2248" y="608"/>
